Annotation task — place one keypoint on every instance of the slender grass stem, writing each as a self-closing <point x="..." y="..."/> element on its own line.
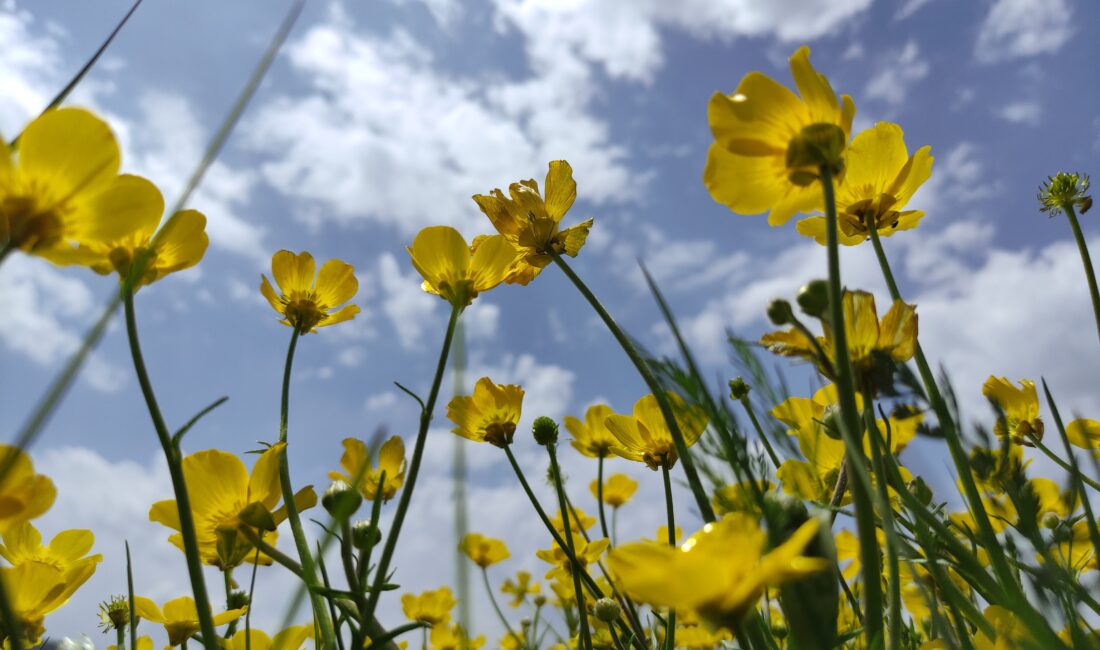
<point x="745" y="402"/>
<point x="696" y="485"/>
<point x="132" y="623"/>
<point x="887" y="514"/>
<point x="496" y="606"/>
<point x="670" y="516"/>
<point x="294" y="518"/>
<point x="1068" y="467"/>
<point x="599" y="497"/>
<point x="175" y="470"/>
<point x="861" y="487"/>
<point x="1090" y="274"/>
<point x="380" y="576"/>
<point x="12" y="624"/>
<point x="574" y="564"/>
<point x="251" y="595"/>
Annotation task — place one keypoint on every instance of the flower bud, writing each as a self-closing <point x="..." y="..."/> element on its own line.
<point x="830" y="422"/>
<point x="1064" y="190"/>
<point x="780" y="312"/>
<point x="364" y="535"/>
<point x="816" y="146"/>
<point x="813" y="298"/>
<point x="341" y="500"/>
<point x="545" y="430"/>
<point x="607" y="610"/>
<point x="739" y="390"/>
<point x="237" y="600"/>
<point x="1050" y="520"/>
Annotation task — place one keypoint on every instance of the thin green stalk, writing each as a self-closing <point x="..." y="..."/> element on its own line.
<point x="496" y="606"/>
<point x="309" y="565"/>
<point x="670" y="514"/>
<point x="175" y="470"/>
<point x="599" y="498"/>
<point x="356" y="632"/>
<point x="251" y="595"/>
<point x="1069" y="468"/>
<point x="458" y="474"/>
<point x="227" y="576"/>
<point x="12" y="625"/>
<point x="865" y="514"/>
<point x="351" y="573"/>
<point x="574" y="564"/>
<point x="696" y="485"/>
<point x="120" y="638"/>
<point x="130" y="594"/>
<point x="887" y="515"/>
<point x="745" y="402"/>
<point x="383" y="568"/>
<point x="1090" y="274"/>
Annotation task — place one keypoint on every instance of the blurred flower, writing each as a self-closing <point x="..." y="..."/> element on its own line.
<point x="520" y="588"/>
<point x="484" y="551"/>
<point x="720" y="572"/>
<point x="740" y="497"/>
<point x="591" y="437"/>
<point x="645" y="436"/>
<point x="34" y="590"/>
<point x="586" y="552"/>
<point x="356" y="460"/>
<point x="432" y="607"/>
<point x="578" y="521"/>
<point x="1019" y="407"/>
<point x="754" y="164"/>
<point x="490" y="414"/>
<point x="458" y="272"/>
<point x="60" y="186"/>
<point x="180" y="617"/>
<point x="306" y="302"/>
<point x="879" y="179"/>
<point x="617" y="489"/>
<point x="530" y="223"/>
<point x="25" y="495"/>
<point x="1084" y="433"/>
<point x="453" y="637"/>
<point x="291" y="638"/>
<point x="224" y="497"/>
<point x="67" y="552"/>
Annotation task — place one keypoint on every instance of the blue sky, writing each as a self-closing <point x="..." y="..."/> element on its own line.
<point x="381" y="118"/>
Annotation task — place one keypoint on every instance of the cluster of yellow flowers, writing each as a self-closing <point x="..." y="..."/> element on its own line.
<point x="770" y="567"/>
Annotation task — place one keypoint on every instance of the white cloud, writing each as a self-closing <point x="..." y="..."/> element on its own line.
<point x="410" y="311"/>
<point x="896" y="73"/>
<point x="909" y="8"/>
<point x="675" y="265"/>
<point x="959" y="177"/>
<point x="482" y="321"/>
<point x="28" y="70"/>
<point x="382" y="401"/>
<point x="1016" y="29"/>
<point x="47" y="312"/>
<point x="1028" y="112"/>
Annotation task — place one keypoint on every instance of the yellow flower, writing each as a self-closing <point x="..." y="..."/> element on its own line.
<point x="291" y="638"/>
<point x="432" y="607"/>
<point x="305" y="302"/>
<point x="490" y="414"/>
<point x="1020" y="407"/>
<point x="1084" y="433"/>
<point x="749" y="165"/>
<point x="453" y="637"/>
<point x="484" y="551"/>
<point x="719" y="572"/>
<point x="591" y="437"/>
<point x="1074" y="548"/>
<point x="1052" y="499"/>
<point x="698" y="637"/>
<point x="740" y="497"/>
<point x="513" y="641"/>
<point x="25" y="495"/>
<point x="578" y="521"/>
<point x="645" y="437"/>
<point x="180" y="617"/>
<point x="61" y="187"/>
<point x="391" y="461"/>
<point x="617" y="490"/>
<point x="458" y="272"/>
<point x="67" y="552"/>
<point x="143" y="643"/>
<point x="530" y="223"/>
<point x="520" y="588"/>
<point x="1010" y="633"/>
<point x="224" y="498"/>
<point x="895" y="335"/>
<point x="586" y="551"/>
<point x="35" y="589"/>
<point x="879" y="179"/>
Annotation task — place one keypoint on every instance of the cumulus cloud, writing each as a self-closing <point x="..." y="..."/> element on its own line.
<point x="1015" y="29"/>
<point x="407" y="307"/>
<point x="1028" y="112"/>
<point x="897" y="72"/>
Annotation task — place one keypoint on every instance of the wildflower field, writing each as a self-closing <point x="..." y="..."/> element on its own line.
<point x="803" y="477"/>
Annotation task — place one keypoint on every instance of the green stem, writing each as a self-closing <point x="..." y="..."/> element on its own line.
<point x="599" y="497"/>
<point x="227" y="576"/>
<point x="496" y="606"/>
<point x="5" y="250"/>
<point x="865" y="514"/>
<point x="380" y="576"/>
<point x="887" y="514"/>
<point x="12" y="624"/>
<point x="251" y="594"/>
<point x="574" y="564"/>
<point x="120" y="638"/>
<point x="309" y="566"/>
<point x="175" y="470"/>
<point x="670" y="514"/>
<point x="644" y="370"/>
<point x="132" y="623"/>
<point x="760" y="431"/>
<point x="1063" y="464"/>
<point x="1094" y="292"/>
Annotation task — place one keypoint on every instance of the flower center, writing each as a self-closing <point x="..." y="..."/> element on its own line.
<point x="304" y="314"/>
<point x="500" y="433"/>
<point x="30" y="226"/>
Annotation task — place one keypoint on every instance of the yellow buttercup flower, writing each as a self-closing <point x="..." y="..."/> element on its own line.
<point x="740" y="497"/>
<point x="1020" y="407"/>
<point x="25" y="495"/>
<point x="431" y="607"/>
<point x="645" y="436"/>
<point x="306" y="302"/>
<point x="1052" y="498"/>
<point x="60" y="187"/>
<point x="591" y="436"/>
<point x="356" y="460"/>
<point x="880" y="178"/>
<point x="1084" y="433"/>
<point x="34" y="589"/>
<point x="143" y="643"/>
<point x="720" y="572"/>
<point x="895" y="335"/>
<point x="484" y="551"/>
<point x="587" y="552"/>
<point x="520" y="588"/>
<point x="1074" y="549"/>
<point x="67" y="552"/>
<point x="453" y="637"/>
<point x="490" y="414"/>
<point x="513" y="641"/>
<point x="291" y="638"/>
<point x="617" y="489"/>
<point x="180" y="617"/>
<point x="225" y="497"/>
<point x="458" y="272"/>
<point x="530" y="223"/>
<point x="758" y="131"/>
<point x="578" y="521"/>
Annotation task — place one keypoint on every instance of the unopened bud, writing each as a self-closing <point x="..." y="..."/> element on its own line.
<point x="237" y="600"/>
<point x="739" y="390"/>
<point x="780" y="312"/>
<point x="364" y="535"/>
<point x="341" y="500"/>
<point x="607" y="610"/>
<point x="813" y="298"/>
<point x="545" y="430"/>
<point x="1050" y="520"/>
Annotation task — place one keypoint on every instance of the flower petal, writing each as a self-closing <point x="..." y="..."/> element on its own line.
<point x="561" y="189"/>
<point x="70" y="151"/>
<point x="336" y="283"/>
<point x="293" y="272"/>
